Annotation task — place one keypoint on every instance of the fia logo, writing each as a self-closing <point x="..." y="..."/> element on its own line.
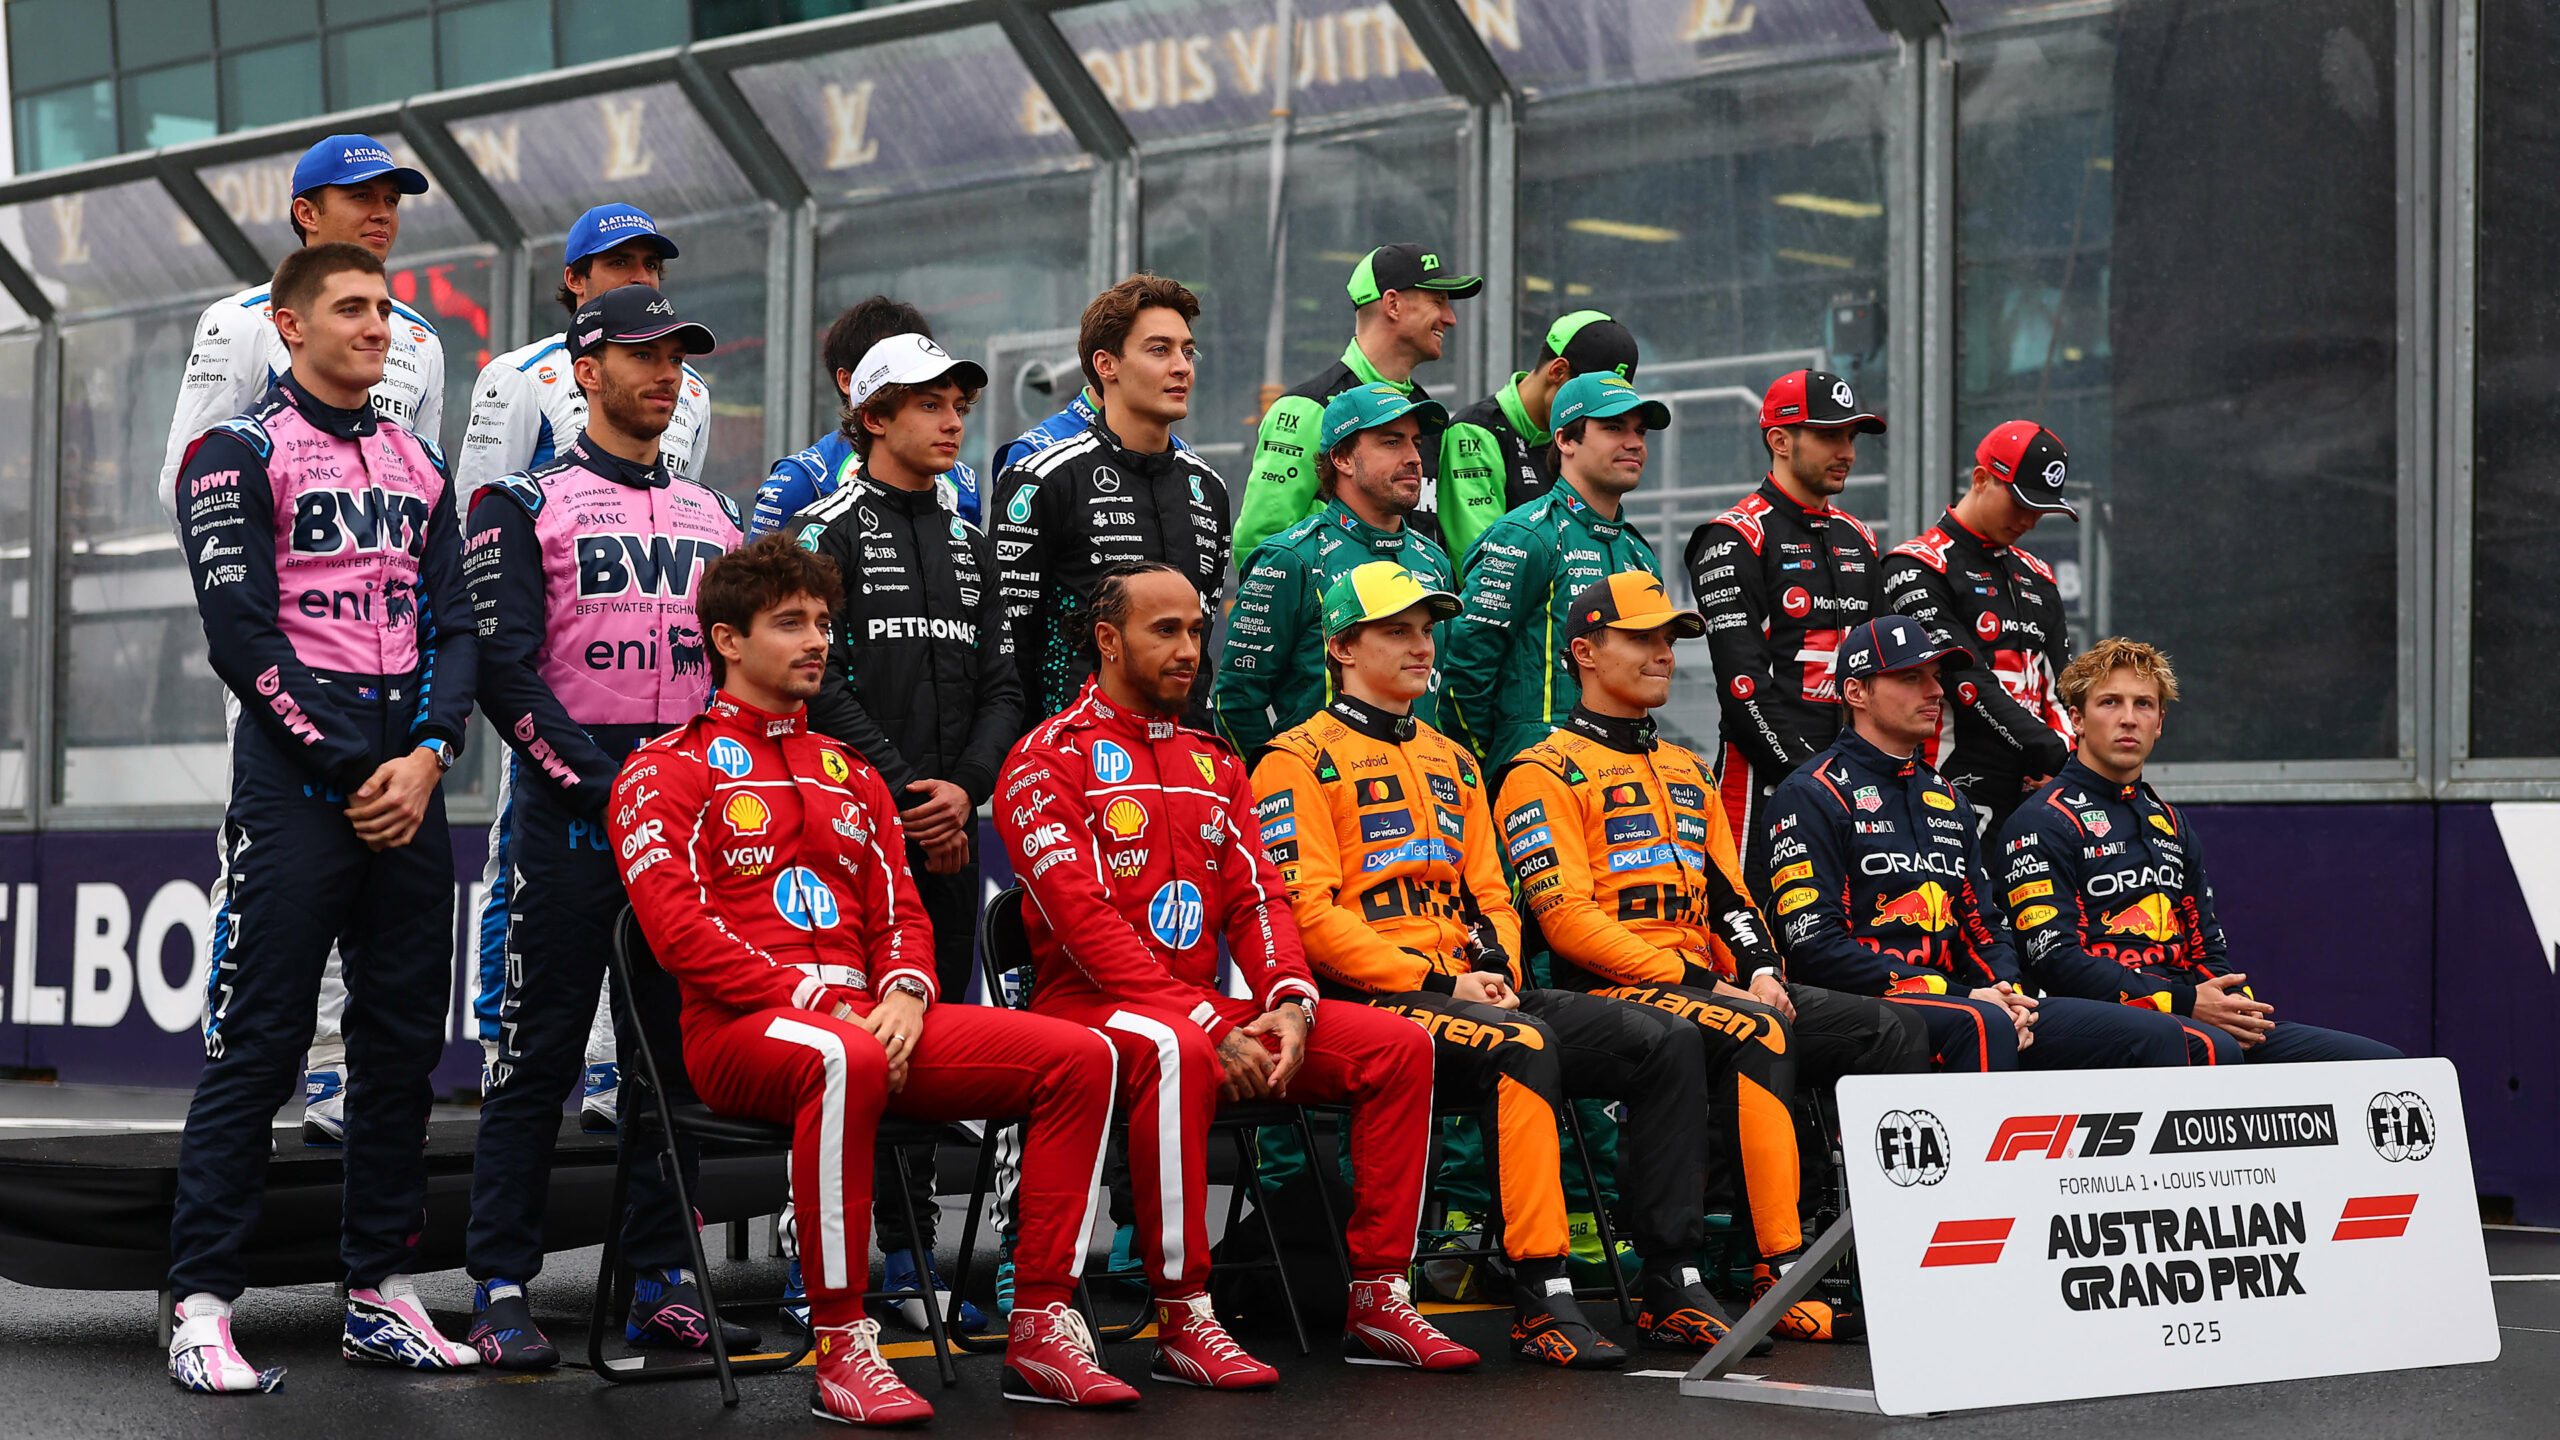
<point x="2400" y="1126"/>
<point x="1912" y="1147"/>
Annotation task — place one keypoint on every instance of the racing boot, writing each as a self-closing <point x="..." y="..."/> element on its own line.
<point x="898" y="1272"/>
<point x="1383" y="1328"/>
<point x="1807" y="1319"/>
<point x="502" y="1329"/>
<point x="1549" y="1326"/>
<point x="795" y="1297"/>
<point x="202" y="1357"/>
<point x="388" y="1325"/>
<point x="1050" y="1359"/>
<point x="666" y="1311"/>
<point x="1679" y="1314"/>
<point x="855" y="1384"/>
<point x="1192" y="1348"/>
<point x="599" y="1111"/>
<point x="324" y="1106"/>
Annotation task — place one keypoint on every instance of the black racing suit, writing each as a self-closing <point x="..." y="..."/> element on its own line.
<point x="920" y="680"/>
<point x="1779" y="585"/>
<point x="2007" y="724"/>
<point x="1065" y="513"/>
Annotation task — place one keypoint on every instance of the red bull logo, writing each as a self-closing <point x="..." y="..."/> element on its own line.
<point x="2150" y="917"/>
<point x="1926" y="905"/>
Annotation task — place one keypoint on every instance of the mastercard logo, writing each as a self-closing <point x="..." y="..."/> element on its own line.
<point x="747" y="813"/>
<point x="1125" y="818"/>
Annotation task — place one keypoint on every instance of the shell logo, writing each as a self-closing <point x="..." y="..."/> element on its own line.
<point x="1125" y="818"/>
<point x="747" y="813"/>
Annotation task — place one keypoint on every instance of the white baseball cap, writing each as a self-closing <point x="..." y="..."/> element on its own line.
<point x="910" y="359"/>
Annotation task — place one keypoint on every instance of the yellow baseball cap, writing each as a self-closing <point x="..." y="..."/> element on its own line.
<point x="1377" y="590"/>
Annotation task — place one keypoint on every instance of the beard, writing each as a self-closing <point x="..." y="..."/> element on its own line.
<point x="631" y="415"/>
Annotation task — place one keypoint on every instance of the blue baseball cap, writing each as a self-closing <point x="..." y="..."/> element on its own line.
<point x="1889" y="643"/>
<point x="1600" y="394"/>
<point x="346" y="159"/>
<point x="606" y="226"/>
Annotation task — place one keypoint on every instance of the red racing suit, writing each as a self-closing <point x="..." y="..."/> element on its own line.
<point x="1128" y="833"/>
<point x="767" y="866"/>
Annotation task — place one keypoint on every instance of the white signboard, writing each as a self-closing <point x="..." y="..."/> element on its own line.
<point x="2060" y="1235"/>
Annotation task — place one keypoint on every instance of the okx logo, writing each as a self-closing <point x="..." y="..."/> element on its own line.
<point x="2025" y="1137"/>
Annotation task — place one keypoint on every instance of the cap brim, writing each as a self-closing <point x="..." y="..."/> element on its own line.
<point x="410" y="182"/>
<point x="1685" y="624"/>
<point x="1653" y="413"/>
<point x="2045" y="507"/>
<point x="1917" y="661"/>
<point x="697" y="338"/>
<point x="666" y="248"/>
<point x="1456" y="287"/>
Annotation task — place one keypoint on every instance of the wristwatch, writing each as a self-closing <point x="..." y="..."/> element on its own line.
<point x="442" y="750"/>
<point x="1306" y="1006"/>
<point x="910" y="985"/>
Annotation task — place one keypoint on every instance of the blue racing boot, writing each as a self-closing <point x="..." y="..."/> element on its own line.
<point x="666" y="1311"/>
<point x="502" y="1329"/>
<point x="599" y="1113"/>
<point x="898" y="1272"/>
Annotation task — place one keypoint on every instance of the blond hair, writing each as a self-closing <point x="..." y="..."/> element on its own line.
<point x="2108" y="656"/>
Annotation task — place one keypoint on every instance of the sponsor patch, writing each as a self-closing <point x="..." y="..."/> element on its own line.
<point x="1124" y="819"/>
<point x="1444" y="789"/>
<point x="2035" y="915"/>
<point x="1626" y="829"/>
<point x="747" y="813"/>
<point x="1379" y="790"/>
<point x="2029" y="891"/>
<point x="1801" y="870"/>
<point x="1533" y="813"/>
<point x="834" y="765"/>
<point x="1937" y="800"/>
<point x="1797" y="899"/>
<point x="803" y="900"/>
<point x="1619" y="797"/>
<point x="1385" y="825"/>
<point x="729" y="758"/>
<point x="1111" y="764"/>
<point x="1175" y="915"/>
<point x="1686" y="796"/>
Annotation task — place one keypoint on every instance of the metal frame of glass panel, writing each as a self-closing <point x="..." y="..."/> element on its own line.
<point x="2435" y="89"/>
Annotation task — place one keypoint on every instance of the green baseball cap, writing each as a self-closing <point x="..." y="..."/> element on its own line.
<point x="1590" y="341"/>
<point x="1366" y="407"/>
<point x="1600" y="395"/>
<point x="1407" y="267"/>
<point x="1378" y="590"/>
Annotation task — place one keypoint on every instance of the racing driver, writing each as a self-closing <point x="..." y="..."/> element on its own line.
<point x="1128" y="831"/>
<point x="764" y="861"/>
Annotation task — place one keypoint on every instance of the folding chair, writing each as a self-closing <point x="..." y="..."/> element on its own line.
<point x="1489" y="1121"/>
<point x="1004" y="959"/>
<point x="665" y="1115"/>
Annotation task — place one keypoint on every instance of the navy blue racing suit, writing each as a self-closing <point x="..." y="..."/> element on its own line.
<point x="1876" y="887"/>
<point x="324" y="554"/>
<point x="2104" y="886"/>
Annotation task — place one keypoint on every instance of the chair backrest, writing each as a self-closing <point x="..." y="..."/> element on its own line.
<point x="646" y="1002"/>
<point x="1004" y="950"/>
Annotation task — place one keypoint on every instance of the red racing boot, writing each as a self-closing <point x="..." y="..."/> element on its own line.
<point x="1807" y="1319"/>
<point x="1383" y="1328"/>
<point x="1049" y="1360"/>
<point x="856" y="1385"/>
<point x="1192" y="1348"/>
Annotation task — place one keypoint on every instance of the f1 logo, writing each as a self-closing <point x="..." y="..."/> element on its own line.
<point x="2105" y="1136"/>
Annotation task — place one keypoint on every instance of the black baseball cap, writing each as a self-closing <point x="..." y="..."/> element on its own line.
<point x="1889" y="643"/>
<point x="632" y="315"/>
<point x="2030" y="460"/>
<point x="1817" y="398"/>
<point x="1407" y="267"/>
<point x="1590" y="341"/>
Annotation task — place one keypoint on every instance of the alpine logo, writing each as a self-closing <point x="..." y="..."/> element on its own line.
<point x="1967" y="1242"/>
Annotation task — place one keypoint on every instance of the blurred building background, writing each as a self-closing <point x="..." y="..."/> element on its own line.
<point x="2277" y="270"/>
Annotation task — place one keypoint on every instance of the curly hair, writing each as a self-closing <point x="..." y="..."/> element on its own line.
<point x="754" y="578"/>
<point x="2108" y="656"/>
<point x="1110" y="604"/>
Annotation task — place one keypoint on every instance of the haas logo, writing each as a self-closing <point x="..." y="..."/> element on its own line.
<point x="651" y="564"/>
<point x="328" y="521"/>
<point x="684" y="649"/>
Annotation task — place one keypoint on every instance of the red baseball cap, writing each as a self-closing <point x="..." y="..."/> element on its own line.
<point x="1818" y="398"/>
<point x="2031" y="461"/>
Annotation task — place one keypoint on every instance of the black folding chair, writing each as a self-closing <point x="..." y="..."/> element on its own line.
<point x="1004" y="959"/>
<point x="665" y="1114"/>
<point x="1488" y="1117"/>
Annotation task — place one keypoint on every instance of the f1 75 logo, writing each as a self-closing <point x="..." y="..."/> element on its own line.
<point x="2103" y="1136"/>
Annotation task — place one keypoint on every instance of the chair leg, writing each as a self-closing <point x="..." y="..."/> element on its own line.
<point x="1496" y="1226"/>
<point x="979" y="1190"/>
<point x="609" y="1297"/>
<point x="1252" y="1178"/>
<point x="671" y="1166"/>
<point x="1600" y="1215"/>
<point x="922" y="1254"/>
<point x="1324" y="1198"/>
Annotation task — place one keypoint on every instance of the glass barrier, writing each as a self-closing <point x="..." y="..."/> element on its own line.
<point x="1555" y="47"/>
<point x="454" y="292"/>
<point x="1347" y="192"/>
<point x="1187" y="67"/>
<point x="258" y="196"/>
<point x="140" y="710"/>
<point x="2515" y="475"/>
<point x="1737" y="226"/>
<point x="645" y="147"/>
<point x="113" y="247"/>
<point x="18" y="571"/>
<point x="1008" y="263"/>
<point x="920" y="114"/>
<point x="2130" y="273"/>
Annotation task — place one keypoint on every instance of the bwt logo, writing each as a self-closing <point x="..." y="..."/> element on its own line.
<point x="651" y="564"/>
<point x="2104" y="1136"/>
<point x="328" y="521"/>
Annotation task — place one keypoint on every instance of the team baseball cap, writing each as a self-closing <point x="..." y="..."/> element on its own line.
<point x="2030" y="460"/>
<point x="606" y="226"/>
<point x="632" y="315"/>
<point x="1818" y="398"/>
<point x="1600" y="395"/>
<point x="1377" y="591"/>
<point x="1592" y="343"/>
<point x="1366" y="407"/>
<point x="1407" y="267"/>
<point x="347" y="159"/>
<point x="1889" y="643"/>
<point x="910" y="359"/>
<point x="1630" y="600"/>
